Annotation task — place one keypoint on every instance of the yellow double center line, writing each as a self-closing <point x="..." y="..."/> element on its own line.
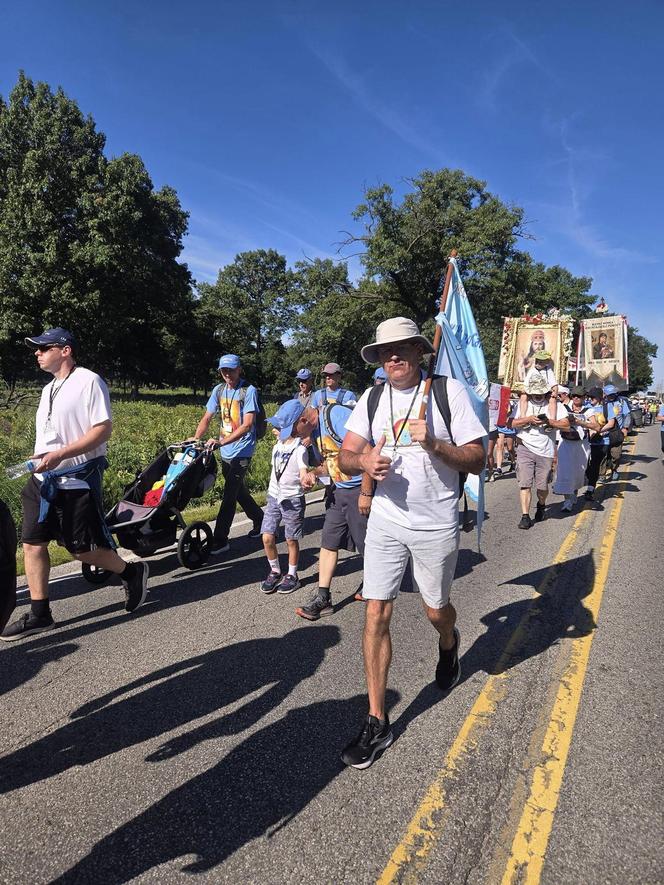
<point x="532" y="836"/>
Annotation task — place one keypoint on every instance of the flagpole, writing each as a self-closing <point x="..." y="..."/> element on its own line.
<point x="437" y="338"/>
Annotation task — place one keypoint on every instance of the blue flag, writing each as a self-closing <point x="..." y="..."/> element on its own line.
<point x="461" y="356"/>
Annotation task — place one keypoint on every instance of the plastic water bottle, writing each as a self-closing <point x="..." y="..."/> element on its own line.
<point x="19" y="470"/>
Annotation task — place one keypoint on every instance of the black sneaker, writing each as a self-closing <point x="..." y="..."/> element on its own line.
<point x="448" y="670"/>
<point x="590" y="494"/>
<point x="526" y="522"/>
<point x="539" y="512"/>
<point x="319" y="606"/>
<point x="271" y="583"/>
<point x="255" y="532"/>
<point x="289" y="584"/>
<point x="27" y="625"/>
<point x="219" y="547"/>
<point x="136" y="588"/>
<point x="374" y="737"/>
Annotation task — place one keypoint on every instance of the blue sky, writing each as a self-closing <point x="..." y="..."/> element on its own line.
<point x="269" y="119"/>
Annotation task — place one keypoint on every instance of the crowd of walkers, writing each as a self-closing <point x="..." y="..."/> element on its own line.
<point x="389" y="461"/>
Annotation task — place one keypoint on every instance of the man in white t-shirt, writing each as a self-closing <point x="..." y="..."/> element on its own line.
<point x="62" y="498"/>
<point x="414" y="515"/>
<point x="536" y="422"/>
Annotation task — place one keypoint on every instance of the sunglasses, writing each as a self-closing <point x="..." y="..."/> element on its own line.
<point x="44" y="347"/>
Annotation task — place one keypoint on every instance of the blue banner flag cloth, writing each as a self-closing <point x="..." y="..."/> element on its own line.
<point x="461" y="356"/>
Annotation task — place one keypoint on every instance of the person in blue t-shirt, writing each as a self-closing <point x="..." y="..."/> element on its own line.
<point x="616" y="407"/>
<point x="332" y="392"/>
<point x="236" y="403"/>
<point x="344" y="527"/>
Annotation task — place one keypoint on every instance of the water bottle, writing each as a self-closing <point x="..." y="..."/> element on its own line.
<point x="19" y="470"/>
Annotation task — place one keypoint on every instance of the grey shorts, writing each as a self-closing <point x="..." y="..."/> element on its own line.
<point x="532" y="468"/>
<point x="344" y="527"/>
<point x="290" y="511"/>
<point x="433" y="555"/>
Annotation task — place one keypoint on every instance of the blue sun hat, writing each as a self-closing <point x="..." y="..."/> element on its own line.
<point x="610" y="390"/>
<point x="286" y="418"/>
<point x="230" y="361"/>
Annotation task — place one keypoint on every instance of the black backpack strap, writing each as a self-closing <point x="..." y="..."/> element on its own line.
<point x="439" y="387"/>
<point x="341" y="393"/>
<point x="372" y="404"/>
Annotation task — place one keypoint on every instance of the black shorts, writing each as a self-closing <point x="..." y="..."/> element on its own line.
<point x="344" y="528"/>
<point x="73" y="519"/>
<point x="493" y="435"/>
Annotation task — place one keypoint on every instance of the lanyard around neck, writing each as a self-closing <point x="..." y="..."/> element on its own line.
<point x="410" y="409"/>
<point x="54" y="391"/>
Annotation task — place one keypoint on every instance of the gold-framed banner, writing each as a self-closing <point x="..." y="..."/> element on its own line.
<point x="602" y="351"/>
<point x="524" y="337"/>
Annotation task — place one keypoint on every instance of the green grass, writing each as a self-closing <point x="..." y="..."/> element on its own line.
<point x="141" y="428"/>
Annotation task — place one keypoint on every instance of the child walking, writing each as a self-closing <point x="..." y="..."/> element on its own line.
<point x="285" y="495"/>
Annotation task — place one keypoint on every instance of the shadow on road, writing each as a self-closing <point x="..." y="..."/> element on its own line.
<point x="256" y="790"/>
<point x="171" y="697"/>
<point x="521" y="630"/>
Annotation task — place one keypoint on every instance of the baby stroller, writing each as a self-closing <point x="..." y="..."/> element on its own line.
<point x="147" y="518"/>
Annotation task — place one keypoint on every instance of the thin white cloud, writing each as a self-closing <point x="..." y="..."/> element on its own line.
<point x="516" y="52"/>
<point x="385" y="114"/>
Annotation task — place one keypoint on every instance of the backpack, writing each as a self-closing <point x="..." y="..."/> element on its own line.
<point x="614" y="436"/>
<point x="260" y="421"/>
<point x="439" y="388"/>
<point x="339" y="401"/>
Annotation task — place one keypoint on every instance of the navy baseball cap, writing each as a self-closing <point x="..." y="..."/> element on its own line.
<point x="57" y="336"/>
<point x="303" y="375"/>
<point x="287" y="416"/>
<point x="230" y="361"/>
<point x="380" y="374"/>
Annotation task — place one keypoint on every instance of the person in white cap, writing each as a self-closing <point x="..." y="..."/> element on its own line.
<point x="414" y="516"/>
<point x="536" y="423"/>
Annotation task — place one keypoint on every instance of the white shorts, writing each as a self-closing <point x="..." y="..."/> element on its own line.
<point x="432" y="554"/>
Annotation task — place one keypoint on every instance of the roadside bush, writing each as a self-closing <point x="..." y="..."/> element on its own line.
<point x="140" y="431"/>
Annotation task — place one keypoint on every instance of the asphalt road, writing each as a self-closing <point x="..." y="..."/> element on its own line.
<point x="199" y="739"/>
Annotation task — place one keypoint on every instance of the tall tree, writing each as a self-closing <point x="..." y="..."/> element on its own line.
<point x="85" y="242"/>
<point x="640" y="354"/>
<point x="251" y="304"/>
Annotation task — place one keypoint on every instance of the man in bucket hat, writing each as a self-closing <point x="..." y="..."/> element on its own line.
<point x="414" y="515"/>
<point x="536" y="421"/>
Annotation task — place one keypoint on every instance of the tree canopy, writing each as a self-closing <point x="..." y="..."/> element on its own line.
<point x="86" y="242"/>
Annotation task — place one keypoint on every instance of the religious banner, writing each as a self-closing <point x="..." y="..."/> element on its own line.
<point x="526" y="337"/>
<point x="602" y="351"/>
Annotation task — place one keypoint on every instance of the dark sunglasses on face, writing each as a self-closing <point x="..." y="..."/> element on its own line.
<point x="44" y="347"/>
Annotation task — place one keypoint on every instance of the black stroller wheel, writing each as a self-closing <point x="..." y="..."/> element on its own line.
<point x="194" y="545"/>
<point x="93" y="574"/>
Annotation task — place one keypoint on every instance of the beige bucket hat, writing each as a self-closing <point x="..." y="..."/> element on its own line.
<point x="537" y="385"/>
<point x="390" y="332"/>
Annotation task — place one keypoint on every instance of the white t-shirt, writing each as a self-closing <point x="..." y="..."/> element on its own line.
<point x="419" y="491"/>
<point x="79" y="402"/>
<point x="540" y="440"/>
<point x="289" y="457"/>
